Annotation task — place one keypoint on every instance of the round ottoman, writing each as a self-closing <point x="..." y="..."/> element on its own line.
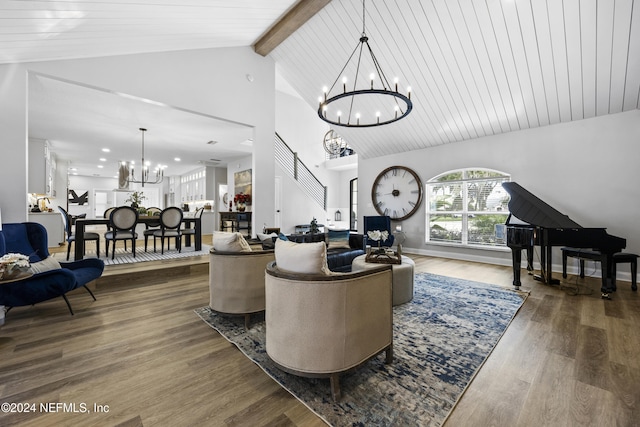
<point x="402" y="277"/>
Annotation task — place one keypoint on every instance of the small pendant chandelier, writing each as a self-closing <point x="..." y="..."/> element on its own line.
<point x="378" y="103"/>
<point x="127" y="172"/>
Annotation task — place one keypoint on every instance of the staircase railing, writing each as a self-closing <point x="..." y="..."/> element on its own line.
<point x="289" y="161"/>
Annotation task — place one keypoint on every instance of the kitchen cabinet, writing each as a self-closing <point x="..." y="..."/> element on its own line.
<point x="52" y="221"/>
<point x="194" y="188"/>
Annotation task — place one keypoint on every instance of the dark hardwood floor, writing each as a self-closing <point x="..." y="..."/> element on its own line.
<point x="142" y="357"/>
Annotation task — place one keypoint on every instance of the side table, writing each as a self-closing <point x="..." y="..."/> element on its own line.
<point x="402" y="276"/>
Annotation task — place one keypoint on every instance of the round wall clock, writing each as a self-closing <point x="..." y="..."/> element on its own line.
<point x="397" y="192"/>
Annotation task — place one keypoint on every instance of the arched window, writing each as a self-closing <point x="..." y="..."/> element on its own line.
<point x="467" y="207"/>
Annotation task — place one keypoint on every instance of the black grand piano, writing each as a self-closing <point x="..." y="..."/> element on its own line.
<point x="533" y="222"/>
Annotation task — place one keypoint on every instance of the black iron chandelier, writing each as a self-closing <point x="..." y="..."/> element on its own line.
<point x="384" y="103"/>
<point x="127" y="173"/>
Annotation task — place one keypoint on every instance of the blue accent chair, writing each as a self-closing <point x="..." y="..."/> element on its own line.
<point x="30" y="238"/>
<point x="381" y="223"/>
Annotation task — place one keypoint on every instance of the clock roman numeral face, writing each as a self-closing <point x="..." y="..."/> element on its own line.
<point x="397" y="192"/>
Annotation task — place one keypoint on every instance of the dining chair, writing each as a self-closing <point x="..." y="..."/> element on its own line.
<point x="191" y="231"/>
<point x="122" y="223"/>
<point x="71" y="238"/>
<point x="107" y="214"/>
<point x="170" y="222"/>
<point x="151" y="227"/>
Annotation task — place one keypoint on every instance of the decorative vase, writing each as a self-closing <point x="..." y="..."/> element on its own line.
<point x="241" y="207"/>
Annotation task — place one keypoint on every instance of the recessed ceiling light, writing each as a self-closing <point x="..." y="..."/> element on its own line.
<point x="106" y="150"/>
<point x="100" y="166"/>
<point x="177" y="159"/>
<point x="102" y="159"/>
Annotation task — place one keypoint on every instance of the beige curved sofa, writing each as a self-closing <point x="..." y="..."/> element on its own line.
<point x="236" y="282"/>
<point x="324" y="325"/>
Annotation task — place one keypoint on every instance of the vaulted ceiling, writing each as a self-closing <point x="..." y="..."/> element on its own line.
<point x="476" y="67"/>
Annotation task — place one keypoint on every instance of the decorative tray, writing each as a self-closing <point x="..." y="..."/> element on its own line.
<point x="384" y="257"/>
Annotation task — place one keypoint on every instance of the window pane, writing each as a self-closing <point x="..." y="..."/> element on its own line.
<point x="445" y="228"/>
<point x="486" y="195"/>
<point x="482" y="229"/>
<point x="483" y="173"/>
<point x="445" y="197"/>
<point x="453" y="176"/>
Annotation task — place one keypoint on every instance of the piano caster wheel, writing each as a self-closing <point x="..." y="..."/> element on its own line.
<point x="605" y="295"/>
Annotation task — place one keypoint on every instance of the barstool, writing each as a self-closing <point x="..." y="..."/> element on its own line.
<point x="632" y="259"/>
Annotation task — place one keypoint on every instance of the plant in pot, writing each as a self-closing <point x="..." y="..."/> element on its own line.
<point x="135" y="199"/>
<point x="313" y="226"/>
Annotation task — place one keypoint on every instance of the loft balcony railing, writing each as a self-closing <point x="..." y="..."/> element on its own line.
<point x="289" y="161"/>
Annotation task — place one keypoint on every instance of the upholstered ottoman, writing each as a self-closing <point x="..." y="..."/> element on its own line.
<point x="402" y="277"/>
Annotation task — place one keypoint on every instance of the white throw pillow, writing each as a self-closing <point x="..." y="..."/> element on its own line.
<point x="46" y="264"/>
<point x="230" y="242"/>
<point x="306" y="258"/>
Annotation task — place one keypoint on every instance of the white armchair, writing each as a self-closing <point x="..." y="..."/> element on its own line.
<point x="236" y="282"/>
<point x="321" y="325"/>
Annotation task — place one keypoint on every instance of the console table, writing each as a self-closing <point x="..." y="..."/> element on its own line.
<point x="237" y="220"/>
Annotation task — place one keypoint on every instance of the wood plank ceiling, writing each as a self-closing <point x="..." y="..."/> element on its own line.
<point x="476" y="67"/>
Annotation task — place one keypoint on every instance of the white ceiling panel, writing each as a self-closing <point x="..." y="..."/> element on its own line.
<point x="476" y="67"/>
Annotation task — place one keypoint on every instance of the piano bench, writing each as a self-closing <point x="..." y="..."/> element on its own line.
<point x="623" y="257"/>
<point x="618" y="258"/>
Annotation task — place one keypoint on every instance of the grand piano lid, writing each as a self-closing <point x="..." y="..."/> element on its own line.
<point x="531" y="210"/>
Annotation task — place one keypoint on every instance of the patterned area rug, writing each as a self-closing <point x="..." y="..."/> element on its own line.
<point x="125" y="257"/>
<point x="441" y="339"/>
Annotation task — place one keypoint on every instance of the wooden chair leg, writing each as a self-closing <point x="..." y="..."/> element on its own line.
<point x="335" y="387"/>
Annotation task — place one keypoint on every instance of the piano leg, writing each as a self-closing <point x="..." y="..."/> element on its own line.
<point x="608" y="286"/>
<point x="530" y="259"/>
<point x="516" y="258"/>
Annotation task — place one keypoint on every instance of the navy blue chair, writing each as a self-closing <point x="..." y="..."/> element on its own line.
<point x="382" y="223"/>
<point x="30" y="238"/>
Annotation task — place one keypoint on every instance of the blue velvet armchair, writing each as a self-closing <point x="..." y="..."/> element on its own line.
<point x="30" y="238"/>
<point x="382" y="223"/>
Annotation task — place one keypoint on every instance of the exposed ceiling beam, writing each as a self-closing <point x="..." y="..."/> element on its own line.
<point x="300" y="13"/>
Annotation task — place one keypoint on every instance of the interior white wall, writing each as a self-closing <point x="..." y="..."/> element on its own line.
<point x="211" y="81"/>
<point x="585" y="169"/>
<point x="299" y="126"/>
